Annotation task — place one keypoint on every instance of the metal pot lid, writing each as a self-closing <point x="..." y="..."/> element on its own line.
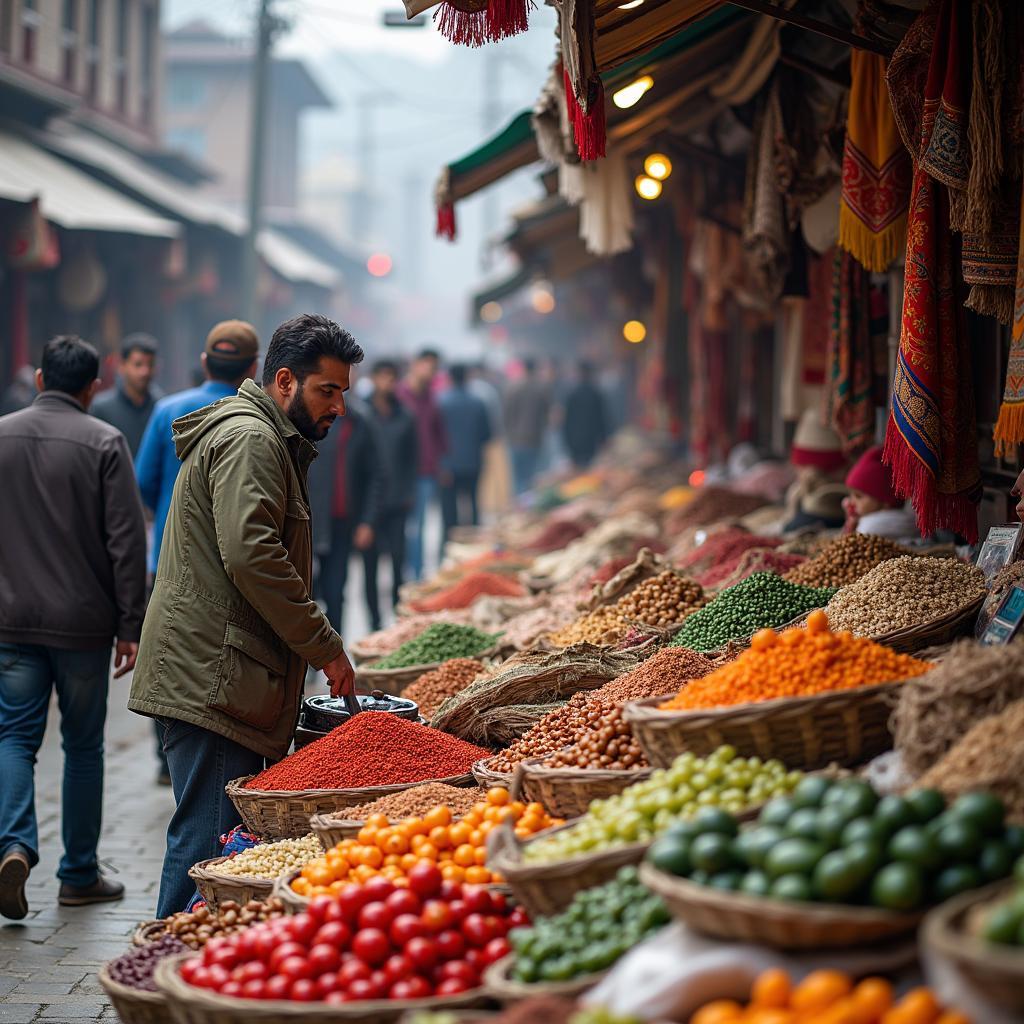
<point x="324" y="712"/>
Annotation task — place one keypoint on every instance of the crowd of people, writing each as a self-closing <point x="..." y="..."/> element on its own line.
<point x="210" y="546"/>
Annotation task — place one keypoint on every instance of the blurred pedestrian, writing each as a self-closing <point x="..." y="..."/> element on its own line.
<point x="417" y="394"/>
<point x="231" y="624"/>
<point x="231" y="355"/>
<point x="129" y="403"/>
<point x="74" y="579"/>
<point x="20" y="392"/>
<point x="398" y="449"/>
<point x="345" y="485"/>
<point x="527" y="413"/>
<point x="468" y="426"/>
<point x="586" y="418"/>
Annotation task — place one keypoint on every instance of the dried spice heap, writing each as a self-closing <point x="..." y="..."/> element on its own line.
<point x="728" y="574"/>
<point x="371" y="749"/>
<point x="845" y="561"/>
<point x="664" y="673"/>
<point x="432" y="689"/>
<point x="468" y="589"/>
<point x="440" y="642"/>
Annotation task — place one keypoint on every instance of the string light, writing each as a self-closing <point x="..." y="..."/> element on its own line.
<point x="647" y="188"/>
<point x="630" y="95"/>
<point x="542" y="299"/>
<point x="631" y="5"/>
<point x="658" y="166"/>
<point x="634" y="331"/>
<point x="490" y="312"/>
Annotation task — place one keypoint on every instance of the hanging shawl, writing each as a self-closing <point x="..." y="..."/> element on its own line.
<point x="475" y="22"/>
<point x="930" y="440"/>
<point x="584" y="92"/>
<point x="876" y="170"/>
<point x="1009" y="429"/>
<point x="606" y="206"/>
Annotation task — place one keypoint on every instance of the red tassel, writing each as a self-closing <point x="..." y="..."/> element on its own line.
<point x="446" y="221"/>
<point x="588" y="129"/>
<point x="463" y="27"/>
<point x="507" y="17"/>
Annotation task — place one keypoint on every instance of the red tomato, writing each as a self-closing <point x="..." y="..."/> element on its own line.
<point x="422" y="952"/>
<point x="425" y="879"/>
<point x="352" y="899"/>
<point x="278" y="987"/>
<point x="231" y="988"/>
<point x="224" y="956"/>
<point x="450" y="944"/>
<point x="451" y="890"/>
<point x="459" y="911"/>
<point x="188" y="970"/>
<point x="371" y="946"/>
<point x="324" y="958"/>
<point x="477" y="899"/>
<point x="352" y="970"/>
<point x="499" y="902"/>
<point x="497" y="925"/>
<point x="476" y="930"/>
<point x="283" y="951"/>
<point x="451" y="987"/>
<point x="404" y="901"/>
<point x="378" y="889"/>
<point x="254" y="989"/>
<point x="475" y="957"/>
<point x="496" y="949"/>
<point x="254" y="970"/>
<point x="380" y="981"/>
<point x="397" y="967"/>
<point x="376" y="915"/>
<point x="337" y="998"/>
<point x="318" y="907"/>
<point x="411" y="988"/>
<point x="362" y="988"/>
<point x="333" y="933"/>
<point x="327" y="983"/>
<point x="303" y="927"/>
<point x="199" y="975"/>
<point x="519" y="918"/>
<point x="296" y="967"/>
<point x="462" y="970"/>
<point x="245" y="943"/>
<point x="437" y="915"/>
<point x="406" y="927"/>
<point x="304" y="991"/>
<point x="217" y="977"/>
<point x="265" y="943"/>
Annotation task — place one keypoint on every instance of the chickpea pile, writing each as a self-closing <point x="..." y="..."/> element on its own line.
<point x="268" y="860"/>
<point x="195" y="929"/>
<point x="797" y="663"/>
<point x="610" y="745"/>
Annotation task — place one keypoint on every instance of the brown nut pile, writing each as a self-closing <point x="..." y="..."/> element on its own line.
<point x="610" y="745"/>
<point x="845" y="561"/>
<point x="902" y="593"/>
<point x="415" y="802"/>
<point x="663" y="673"/>
<point x="195" y="929"/>
<point x="432" y="689"/>
<point x="558" y="729"/>
<point x="603" y="625"/>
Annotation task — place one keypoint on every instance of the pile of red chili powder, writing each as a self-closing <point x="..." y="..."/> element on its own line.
<point x="468" y="589"/>
<point x="374" y="748"/>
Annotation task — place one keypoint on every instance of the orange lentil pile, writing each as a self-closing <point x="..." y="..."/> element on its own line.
<point x="797" y="663"/>
<point x="467" y="590"/>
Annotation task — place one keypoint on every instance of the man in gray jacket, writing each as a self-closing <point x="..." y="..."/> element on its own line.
<point x="72" y="578"/>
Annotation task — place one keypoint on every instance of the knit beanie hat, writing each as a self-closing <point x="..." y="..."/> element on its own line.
<point x="816" y="445"/>
<point x="872" y="477"/>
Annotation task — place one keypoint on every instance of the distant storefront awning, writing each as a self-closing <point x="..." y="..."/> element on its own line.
<point x="289" y="260"/>
<point x="500" y="288"/>
<point x="69" y="197"/>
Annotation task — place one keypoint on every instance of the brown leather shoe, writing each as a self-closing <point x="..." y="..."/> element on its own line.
<point x="101" y="891"/>
<point x="14" y="869"/>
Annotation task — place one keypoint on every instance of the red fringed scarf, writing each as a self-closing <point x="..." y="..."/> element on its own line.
<point x="930" y="441"/>
<point x="446" y="221"/>
<point x="588" y="126"/>
<point x="475" y="22"/>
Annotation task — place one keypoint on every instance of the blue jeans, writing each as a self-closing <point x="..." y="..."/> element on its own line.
<point x="28" y="675"/>
<point x="202" y="763"/>
<point x="525" y="462"/>
<point x="426" y="494"/>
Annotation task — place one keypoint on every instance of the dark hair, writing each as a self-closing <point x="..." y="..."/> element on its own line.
<point x="69" y="364"/>
<point x="385" y="366"/>
<point x="226" y="370"/>
<point x="530" y="364"/>
<point x="299" y="344"/>
<point x="458" y="375"/>
<point x="139" y="342"/>
<point x="430" y="353"/>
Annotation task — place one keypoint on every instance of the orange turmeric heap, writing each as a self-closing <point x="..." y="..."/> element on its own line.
<point x="797" y="663"/>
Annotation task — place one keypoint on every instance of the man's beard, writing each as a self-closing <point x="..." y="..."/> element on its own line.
<point x="309" y="428"/>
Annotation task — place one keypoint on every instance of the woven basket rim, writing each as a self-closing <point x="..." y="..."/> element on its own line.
<point x="122" y="991"/>
<point x="766" y="907"/>
<point x="140" y="937"/>
<point x="236" y="787"/>
<point x="578" y="776"/>
<point x="390" y="673"/>
<point x="482" y="764"/>
<point x="204" y="870"/>
<point x="170" y="983"/>
<point x="498" y="983"/>
<point x="923" y="629"/>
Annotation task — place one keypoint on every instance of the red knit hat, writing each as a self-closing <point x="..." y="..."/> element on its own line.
<point x="871" y="477"/>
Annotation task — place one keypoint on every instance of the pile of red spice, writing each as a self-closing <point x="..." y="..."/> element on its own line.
<point x="726" y="546"/>
<point x="468" y="589"/>
<point x="375" y="748"/>
<point x="558" y="534"/>
<point x="754" y="560"/>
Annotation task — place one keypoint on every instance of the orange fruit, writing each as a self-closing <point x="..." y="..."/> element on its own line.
<point x="428" y="851"/>
<point x="453" y="873"/>
<point x="415" y="827"/>
<point x="477" y="875"/>
<point x="438" y="817"/>
<point x="820" y="989"/>
<point x="460" y="833"/>
<point x="465" y="855"/>
<point x="769" y="1015"/>
<point x="919" y="1006"/>
<point x="371" y="856"/>
<point x="874" y="996"/>
<point x="481" y="855"/>
<point x="409" y="861"/>
<point x="477" y="837"/>
<point x="721" y="1011"/>
<point x="954" y="1017"/>
<point x="536" y="809"/>
<point x="396" y="844"/>
<point x="301" y="886"/>
<point x="378" y="821"/>
<point x="367" y="835"/>
<point x="440" y="838"/>
<point x="772" y="989"/>
<point x="497" y="796"/>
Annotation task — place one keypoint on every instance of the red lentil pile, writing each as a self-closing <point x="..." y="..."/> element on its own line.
<point x="468" y="589"/>
<point x="753" y="560"/>
<point x="372" y="749"/>
<point x="432" y="689"/>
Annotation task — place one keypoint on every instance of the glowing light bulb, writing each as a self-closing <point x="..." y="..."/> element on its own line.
<point x="658" y="166"/>
<point x="647" y="188"/>
<point x="630" y="5"/>
<point x="630" y="95"/>
<point x="542" y="300"/>
<point x="490" y="312"/>
<point x="634" y="331"/>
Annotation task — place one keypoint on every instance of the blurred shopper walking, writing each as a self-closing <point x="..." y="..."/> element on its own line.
<point x="468" y="426"/>
<point x="586" y="418"/>
<point x="417" y="393"/>
<point x="231" y="624"/>
<point x="129" y="403"/>
<point x="398" y="450"/>
<point x="74" y="579"/>
<point x="345" y="485"/>
<point x="527" y="412"/>
<point x="231" y="355"/>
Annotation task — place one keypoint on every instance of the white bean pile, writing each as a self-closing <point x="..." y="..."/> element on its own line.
<point x="268" y="860"/>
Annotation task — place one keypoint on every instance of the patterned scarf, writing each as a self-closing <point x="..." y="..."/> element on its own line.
<point x="930" y="440"/>
<point x="876" y="170"/>
<point x="1009" y="430"/>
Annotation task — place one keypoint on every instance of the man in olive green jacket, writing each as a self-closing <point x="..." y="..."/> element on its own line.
<point x="231" y="625"/>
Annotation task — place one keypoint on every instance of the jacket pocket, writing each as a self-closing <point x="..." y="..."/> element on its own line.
<point x="250" y="683"/>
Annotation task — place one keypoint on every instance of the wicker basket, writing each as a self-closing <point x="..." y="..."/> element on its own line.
<point x="547" y="889"/>
<point x="293" y="902"/>
<point x="190" y="1005"/>
<point x="486" y="778"/>
<point x="740" y="918"/>
<point x="331" y="829"/>
<point x="284" y="814"/>
<point x="133" y="1005"/>
<point x="939" y="631"/>
<point x="843" y="727"/>
<point x="148" y="931"/>
<point x="500" y="984"/>
<point x="567" y="792"/>
<point x="994" y="970"/>
<point x="216" y="888"/>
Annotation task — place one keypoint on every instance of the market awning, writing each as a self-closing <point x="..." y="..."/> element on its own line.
<point x="500" y="288"/>
<point x="624" y="34"/>
<point x="293" y="263"/>
<point x="69" y="197"/>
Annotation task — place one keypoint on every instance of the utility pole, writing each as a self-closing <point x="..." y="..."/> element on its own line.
<point x="368" y="104"/>
<point x="490" y="112"/>
<point x="265" y="28"/>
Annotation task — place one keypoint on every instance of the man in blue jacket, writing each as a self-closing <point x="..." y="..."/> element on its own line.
<point x="468" y="425"/>
<point x="232" y="352"/>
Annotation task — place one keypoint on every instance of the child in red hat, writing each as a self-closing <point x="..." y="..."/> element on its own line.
<point x="873" y="506"/>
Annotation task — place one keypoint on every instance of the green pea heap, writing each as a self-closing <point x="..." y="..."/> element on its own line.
<point x="439" y="642"/>
<point x="761" y="601"/>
